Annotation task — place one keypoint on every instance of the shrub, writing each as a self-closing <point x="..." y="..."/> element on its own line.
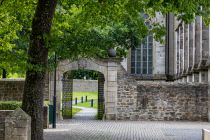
<point x="9" y="105"/>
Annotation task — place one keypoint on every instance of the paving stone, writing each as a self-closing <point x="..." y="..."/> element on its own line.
<point x="125" y="130"/>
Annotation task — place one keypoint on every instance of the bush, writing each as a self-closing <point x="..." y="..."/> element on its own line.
<point x="10" y="105"/>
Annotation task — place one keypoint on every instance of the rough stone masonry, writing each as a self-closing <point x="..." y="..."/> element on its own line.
<point x="141" y="100"/>
<point x="15" y="125"/>
<point x="12" y="89"/>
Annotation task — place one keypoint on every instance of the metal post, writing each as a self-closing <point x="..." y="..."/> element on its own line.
<point x="75" y="101"/>
<point x="91" y="102"/>
<point x="82" y="99"/>
<point x="54" y="97"/>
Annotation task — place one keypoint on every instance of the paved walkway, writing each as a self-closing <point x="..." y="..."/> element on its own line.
<point x="85" y="114"/>
<point x="125" y="130"/>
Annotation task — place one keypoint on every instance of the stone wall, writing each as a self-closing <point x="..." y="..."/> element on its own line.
<point x="138" y="100"/>
<point x="85" y="85"/>
<point x="3" y="114"/>
<point x="12" y="89"/>
<point x="15" y="125"/>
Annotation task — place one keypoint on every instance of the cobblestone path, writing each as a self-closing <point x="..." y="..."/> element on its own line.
<point x="85" y="114"/>
<point x="125" y="130"/>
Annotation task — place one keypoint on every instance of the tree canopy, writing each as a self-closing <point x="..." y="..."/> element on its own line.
<point x="87" y="28"/>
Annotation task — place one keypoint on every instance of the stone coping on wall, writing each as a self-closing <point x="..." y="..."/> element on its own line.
<point x="85" y="80"/>
<point x="149" y="77"/>
<point x="170" y="83"/>
<point x="12" y="79"/>
<point x="4" y="113"/>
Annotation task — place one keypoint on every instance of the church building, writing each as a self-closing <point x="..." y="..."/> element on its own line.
<point x="183" y="57"/>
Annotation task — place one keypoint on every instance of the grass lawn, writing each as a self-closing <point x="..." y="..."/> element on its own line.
<point x="75" y="110"/>
<point x="78" y="95"/>
<point x="67" y="112"/>
<point x="90" y="95"/>
<point x="88" y="104"/>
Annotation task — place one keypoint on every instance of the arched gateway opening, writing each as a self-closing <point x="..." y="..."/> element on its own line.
<point x="80" y="94"/>
<point x="107" y="91"/>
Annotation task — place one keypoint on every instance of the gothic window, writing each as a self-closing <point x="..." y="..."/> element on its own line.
<point x="141" y="57"/>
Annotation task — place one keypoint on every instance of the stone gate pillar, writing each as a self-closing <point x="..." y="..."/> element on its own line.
<point x="67" y="94"/>
<point x="101" y="81"/>
<point x="111" y="96"/>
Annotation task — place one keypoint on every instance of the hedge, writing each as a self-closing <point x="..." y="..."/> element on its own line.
<point x="12" y="105"/>
<point x="9" y="105"/>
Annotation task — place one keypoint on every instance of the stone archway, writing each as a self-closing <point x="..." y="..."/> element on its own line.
<point x="108" y="67"/>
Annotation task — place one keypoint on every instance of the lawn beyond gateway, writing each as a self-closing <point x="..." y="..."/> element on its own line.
<point x="90" y="96"/>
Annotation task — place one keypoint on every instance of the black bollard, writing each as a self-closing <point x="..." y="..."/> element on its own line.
<point x="91" y="102"/>
<point x="75" y="101"/>
<point x="82" y="99"/>
<point x="85" y="98"/>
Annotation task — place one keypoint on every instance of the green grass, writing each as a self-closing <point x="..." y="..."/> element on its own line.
<point x="75" y="110"/>
<point x="67" y="113"/>
<point x="12" y="105"/>
<point x="88" y="104"/>
<point x="90" y="95"/>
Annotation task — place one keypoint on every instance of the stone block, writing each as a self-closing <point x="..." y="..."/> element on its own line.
<point x="112" y="76"/>
<point x="112" y="89"/>
<point x="17" y="124"/>
<point x="112" y="68"/>
<point x="46" y="118"/>
<point x="205" y="134"/>
<point x="21" y="124"/>
<point x="112" y="64"/>
<point x="110" y="116"/>
<point x="23" y="138"/>
<point x="111" y="99"/>
<point x="20" y="131"/>
<point x="112" y="84"/>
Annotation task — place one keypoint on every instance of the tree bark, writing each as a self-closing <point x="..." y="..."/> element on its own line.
<point x="37" y="62"/>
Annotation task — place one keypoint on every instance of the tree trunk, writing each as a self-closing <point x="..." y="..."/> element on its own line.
<point x="37" y="62"/>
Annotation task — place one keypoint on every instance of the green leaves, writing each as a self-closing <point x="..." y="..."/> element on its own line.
<point x="15" y="23"/>
<point x="87" y="28"/>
